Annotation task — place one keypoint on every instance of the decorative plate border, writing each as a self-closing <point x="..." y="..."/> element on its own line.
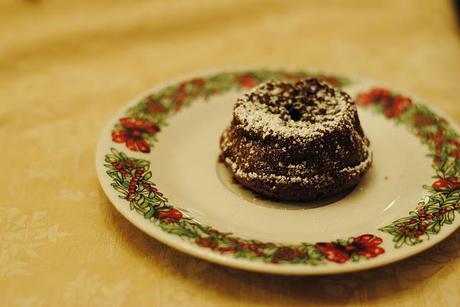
<point x="138" y="128"/>
<point x="442" y="199"/>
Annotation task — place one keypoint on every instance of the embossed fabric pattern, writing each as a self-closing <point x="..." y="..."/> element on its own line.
<point x="66" y="67"/>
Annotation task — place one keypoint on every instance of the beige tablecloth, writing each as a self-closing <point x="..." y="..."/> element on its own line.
<point x="67" y="66"/>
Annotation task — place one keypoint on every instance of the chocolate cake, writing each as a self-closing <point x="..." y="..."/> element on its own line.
<point x="296" y="141"/>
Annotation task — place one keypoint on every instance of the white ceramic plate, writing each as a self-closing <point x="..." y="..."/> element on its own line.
<point x="169" y="184"/>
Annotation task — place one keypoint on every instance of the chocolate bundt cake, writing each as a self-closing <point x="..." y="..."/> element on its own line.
<point x="295" y="141"/>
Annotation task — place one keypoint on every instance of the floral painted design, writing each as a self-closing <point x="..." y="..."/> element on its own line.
<point x="341" y="251"/>
<point x="131" y="178"/>
<point x="137" y="130"/>
<point x="442" y="200"/>
<point x="136" y="134"/>
<point x="247" y="81"/>
<point x="392" y="104"/>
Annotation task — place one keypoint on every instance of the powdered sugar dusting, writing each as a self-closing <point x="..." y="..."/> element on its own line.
<point x="313" y="110"/>
<point x="296" y="141"/>
<point x="286" y="179"/>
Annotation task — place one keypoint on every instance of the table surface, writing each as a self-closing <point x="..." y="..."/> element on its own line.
<point x="64" y="64"/>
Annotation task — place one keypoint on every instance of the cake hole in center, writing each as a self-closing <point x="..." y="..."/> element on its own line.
<point x="295" y="113"/>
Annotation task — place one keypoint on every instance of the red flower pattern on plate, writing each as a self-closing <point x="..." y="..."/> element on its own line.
<point x="134" y="132"/>
<point x="135" y="175"/>
<point x="206" y="242"/>
<point x="331" y="80"/>
<point x="393" y="105"/>
<point x="287" y="253"/>
<point x="440" y="140"/>
<point x="365" y="245"/>
<point x="446" y="184"/>
<point x="246" y="81"/>
<point x="154" y="106"/>
<point x="184" y="92"/>
<point x="171" y="215"/>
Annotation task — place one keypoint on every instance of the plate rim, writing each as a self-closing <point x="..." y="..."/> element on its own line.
<point x="187" y="247"/>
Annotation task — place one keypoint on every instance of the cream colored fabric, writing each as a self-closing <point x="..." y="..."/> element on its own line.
<point x="67" y="66"/>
